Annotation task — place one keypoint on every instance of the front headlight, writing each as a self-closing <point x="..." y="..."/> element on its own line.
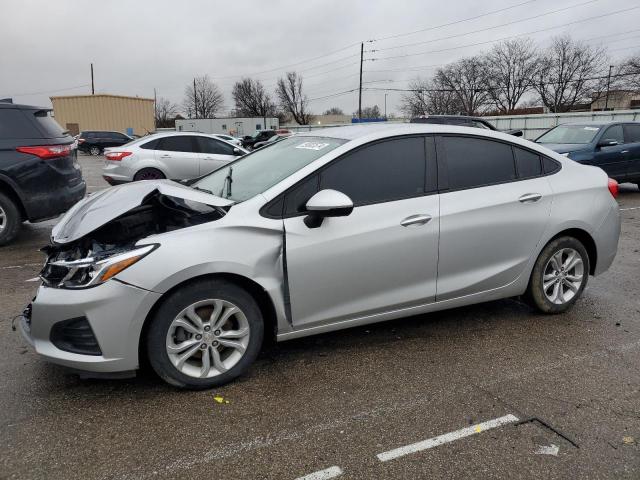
<point x="90" y="271"/>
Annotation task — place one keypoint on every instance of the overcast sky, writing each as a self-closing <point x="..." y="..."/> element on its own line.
<point x="47" y="46"/>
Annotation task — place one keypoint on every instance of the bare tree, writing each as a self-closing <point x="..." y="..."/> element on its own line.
<point x="467" y="79"/>
<point x="566" y="73"/>
<point x="166" y="112"/>
<point x="428" y="97"/>
<point x="333" y="111"/>
<point x="252" y="100"/>
<point x="202" y="98"/>
<point x="369" y="112"/>
<point x="511" y="67"/>
<point x="630" y="73"/>
<point x="292" y="99"/>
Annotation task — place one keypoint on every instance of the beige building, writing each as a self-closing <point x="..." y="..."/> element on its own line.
<point x="618" y="100"/>
<point x="130" y="115"/>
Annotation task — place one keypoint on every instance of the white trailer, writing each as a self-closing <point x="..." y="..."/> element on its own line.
<point x="235" y="126"/>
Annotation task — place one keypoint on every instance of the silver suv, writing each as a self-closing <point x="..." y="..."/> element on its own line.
<point x="319" y="232"/>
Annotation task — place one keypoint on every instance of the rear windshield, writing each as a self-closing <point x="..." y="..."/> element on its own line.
<point x="570" y="134"/>
<point x="48" y="125"/>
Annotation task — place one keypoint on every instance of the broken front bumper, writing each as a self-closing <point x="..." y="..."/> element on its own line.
<point x="64" y="325"/>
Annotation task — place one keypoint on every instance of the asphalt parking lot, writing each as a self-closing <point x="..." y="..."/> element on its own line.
<point x="444" y="395"/>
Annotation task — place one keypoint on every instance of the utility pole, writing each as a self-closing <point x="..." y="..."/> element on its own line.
<point x="606" y="101"/>
<point x="155" y="107"/>
<point x="195" y="100"/>
<point x="385" y="105"/>
<point x="360" y="94"/>
<point x="93" y="90"/>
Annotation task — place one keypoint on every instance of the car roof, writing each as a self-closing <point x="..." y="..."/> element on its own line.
<point x="22" y="107"/>
<point x="592" y="124"/>
<point x="353" y="132"/>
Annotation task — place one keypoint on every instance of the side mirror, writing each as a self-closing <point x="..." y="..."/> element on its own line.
<point x="607" y="142"/>
<point x="237" y="152"/>
<point x="327" y="203"/>
<point x="516" y="133"/>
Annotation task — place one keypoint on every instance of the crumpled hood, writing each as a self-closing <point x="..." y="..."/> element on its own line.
<point x="565" y="147"/>
<point x="101" y="207"/>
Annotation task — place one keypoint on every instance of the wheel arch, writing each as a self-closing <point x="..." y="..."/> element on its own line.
<point x="586" y="239"/>
<point x="10" y="190"/>
<point x="264" y="301"/>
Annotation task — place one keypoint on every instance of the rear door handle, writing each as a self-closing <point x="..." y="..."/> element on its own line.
<point x="530" y="198"/>
<point x="420" y="219"/>
<point x="165" y="156"/>
<point x="624" y="151"/>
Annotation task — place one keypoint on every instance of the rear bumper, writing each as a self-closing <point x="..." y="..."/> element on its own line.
<point x="51" y="203"/>
<point x="116" y="173"/>
<point x="606" y="237"/>
<point x="115" y="313"/>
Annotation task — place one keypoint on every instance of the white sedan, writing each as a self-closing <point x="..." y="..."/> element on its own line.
<point x="176" y="156"/>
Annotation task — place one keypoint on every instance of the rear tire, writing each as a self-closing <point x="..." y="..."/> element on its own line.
<point x="148" y="174"/>
<point x="10" y="219"/>
<point x="95" y="151"/>
<point x="559" y="276"/>
<point x="216" y="325"/>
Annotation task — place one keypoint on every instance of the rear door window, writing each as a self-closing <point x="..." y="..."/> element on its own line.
<point x="177" y="143"/>
<point x="529" y="163"/>
<point x="474" y="162"/>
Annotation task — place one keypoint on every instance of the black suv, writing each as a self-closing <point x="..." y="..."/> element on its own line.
<point x="94" y="142"/>
<point x="462" y="121"/>
<point x="39" y="174"/>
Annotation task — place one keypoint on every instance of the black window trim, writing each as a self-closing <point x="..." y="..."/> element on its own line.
<point x="443" y="172"/>
<point x="429" y="188"/>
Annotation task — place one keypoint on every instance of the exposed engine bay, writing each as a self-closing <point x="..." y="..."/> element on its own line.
<point x="76" y="264"/>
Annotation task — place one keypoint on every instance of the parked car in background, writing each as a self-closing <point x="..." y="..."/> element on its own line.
<point x="463" y="121"/>
<point x="173" y="155"/>
<point x="94" y="141"/>
<point x="275" y="138"/>
<point x="612" y="146"/>
<point x="39" y="174"/>
<point x="228" y="138"/>
<point x="321" y="231"/>
<point x="262" y="136"/>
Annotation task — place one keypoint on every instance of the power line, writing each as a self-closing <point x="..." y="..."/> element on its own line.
<point x="485" y="29"/>
<point x="380" y="39"/>
<point x="48" y="91"/>
<point x="505" y="38"/>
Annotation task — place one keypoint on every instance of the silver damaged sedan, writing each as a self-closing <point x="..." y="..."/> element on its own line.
<point x="319" y="232"/>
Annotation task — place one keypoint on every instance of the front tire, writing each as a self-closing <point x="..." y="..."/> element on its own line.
<point x="205" y="335"/>
<point x="10" y="219"/>
<point x="559" y="276"/>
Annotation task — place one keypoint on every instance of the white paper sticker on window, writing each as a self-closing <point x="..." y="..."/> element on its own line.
<point x="313" y="145"/>
<point x="593" y="129"/>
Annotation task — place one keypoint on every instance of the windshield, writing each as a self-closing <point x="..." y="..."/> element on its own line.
<point x="570" y="134"/>
<point x="263" y="168"/>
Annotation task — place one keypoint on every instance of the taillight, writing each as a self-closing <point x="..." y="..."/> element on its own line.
<point x="81" y="140"/>
<point x="613" y="187"/>
<point x="116" y="156"/>
<point x="46" y="152"/>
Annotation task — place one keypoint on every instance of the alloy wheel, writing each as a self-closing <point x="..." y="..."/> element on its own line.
<point x="207" y="338"/>
<point x="94" y="151"/>
<point x="563" y="276"/>
<point x="3" y="219"/>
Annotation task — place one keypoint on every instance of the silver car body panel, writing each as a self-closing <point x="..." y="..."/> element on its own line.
<point x="369" y="266"/>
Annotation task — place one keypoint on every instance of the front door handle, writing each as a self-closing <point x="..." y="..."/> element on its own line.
<point x="420" y="219"/>
<point x="624" y="151"/>
<point x="530" y="198"/>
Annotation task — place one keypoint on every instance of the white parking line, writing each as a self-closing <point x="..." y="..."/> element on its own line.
<point x="330" y="472"/>
<point x="446" y="438"/>
<point x="629" y="208"/>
